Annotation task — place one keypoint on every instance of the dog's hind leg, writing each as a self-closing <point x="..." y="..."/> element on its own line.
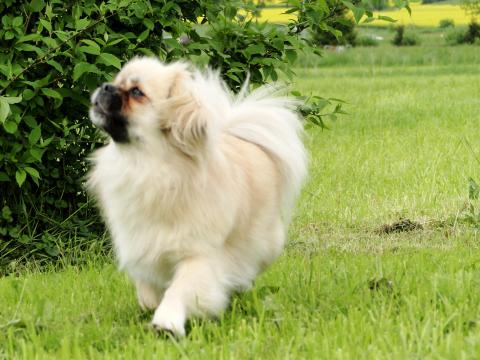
<point x="148" y="296"/>
<point x="196" y="289"/>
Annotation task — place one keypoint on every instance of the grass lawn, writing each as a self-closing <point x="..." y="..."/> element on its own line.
<point x="343" y="289"/>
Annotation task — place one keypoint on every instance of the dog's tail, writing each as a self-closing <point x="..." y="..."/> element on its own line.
<point x="267" y="119"/>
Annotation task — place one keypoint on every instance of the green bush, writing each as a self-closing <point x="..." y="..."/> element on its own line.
<point x="446" y="23"/>
<point x="366" y="41"/>
<point x="378" y="4"/>
<point x="344" y="29"/>
<point x="403" y="38"/>
<point x="473" y="33"/>
<point x="469" y="35"/>
<point x="455" y="36"/>
<point x="54" y="53"/>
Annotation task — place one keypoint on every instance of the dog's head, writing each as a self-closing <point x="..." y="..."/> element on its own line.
<point x="150" y="101"/>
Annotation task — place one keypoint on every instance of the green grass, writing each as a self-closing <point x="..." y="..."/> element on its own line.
<point x="327" y="304"/>
<point x="432" y="51"/>
<point x="342" y="290"/>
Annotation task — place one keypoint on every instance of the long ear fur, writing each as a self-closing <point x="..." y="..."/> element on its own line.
<point x="189" y="119"/>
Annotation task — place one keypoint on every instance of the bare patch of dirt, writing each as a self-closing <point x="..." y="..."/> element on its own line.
<point x="401" y="225"/>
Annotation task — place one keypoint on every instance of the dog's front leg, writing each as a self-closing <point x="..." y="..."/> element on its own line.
<point x="196" y="289"/>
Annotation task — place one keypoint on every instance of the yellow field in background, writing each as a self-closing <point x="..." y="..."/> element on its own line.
<point x="426" y="15"/>
<point x="275" y="15"/>
<point x="422" y="15"/>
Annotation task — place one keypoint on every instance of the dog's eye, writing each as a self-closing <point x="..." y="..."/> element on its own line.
<point x="136" y="92"/>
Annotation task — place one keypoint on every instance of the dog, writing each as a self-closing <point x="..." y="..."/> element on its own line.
<point x="196" y="184"/>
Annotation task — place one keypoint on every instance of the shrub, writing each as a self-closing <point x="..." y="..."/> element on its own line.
<point x="446" y="23"/>
<point x="403" y="38"/>
<point x="471" y="7"/>
<point x="366" y="41"/>
<point x="54" y="54"/>
<point x="378" y="4"/>
<point x="455" y="36"/>
<point x="473" y="32"/>
<point x="471" y="35"/>
<point x="344" y="29"/>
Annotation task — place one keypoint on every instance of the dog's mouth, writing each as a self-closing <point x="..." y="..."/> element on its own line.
<point x="106" y="114"/>
<point x="99" y="110"/>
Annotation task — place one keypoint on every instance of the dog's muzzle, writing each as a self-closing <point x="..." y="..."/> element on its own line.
<point x="107" y="104"/>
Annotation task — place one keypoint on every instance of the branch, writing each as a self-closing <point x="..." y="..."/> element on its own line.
<point x="42" y="59"/>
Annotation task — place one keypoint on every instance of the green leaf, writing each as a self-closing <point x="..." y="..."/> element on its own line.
<point x="25" y="239"/>
<point x="13" y="99"/>
<point x="358" y="13"/>
<point x="91" y="43"/>
<point x="37" y="5"/>
<point x="35" y="135"/>
<point x="148" y="24"/>
<point x="6" y="70"/>
<point x="10" y="126"/>
<point x="110" y="59"/>
<point x="52" y="93"/>
<point x="46" y="142"/>
<point x="46" y="24"/>
<point x="29" y="48"/>
<point x="33" y="172"/>
<point x="82" y="68"/>
<point x="17" y="21"/>
<point x="386" y="18"/>
<point x="4" y="177"/>
<point x="37" y="153"/>
<point x="254" y="49"/>
<point x="20" y="176"/>
<point x="90" y="50"/>
<point x="143" y="36"/>
<point x="56" y="65"/>
<point x="28" y="94"/>
<point x="4" y="109"/>
<point x="409" y="9"/>
<point x="30" y="121"/>
<point x="368" y="20"/>
<point x="52" y="43"/>
<point x="6" y="21"/>
<point x="29" y="37"/>
<point x="291" y="55"/>
<point x="62" y="35"/>
<point x="291" y="10"/>
<point x="82" y="24"/>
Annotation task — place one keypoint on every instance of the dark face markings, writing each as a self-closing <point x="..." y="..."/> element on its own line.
<point x="109" y="103"/>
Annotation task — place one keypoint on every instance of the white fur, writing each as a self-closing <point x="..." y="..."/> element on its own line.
<point x="198" y="210"/>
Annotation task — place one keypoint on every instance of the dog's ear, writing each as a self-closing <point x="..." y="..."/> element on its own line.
<point x="189" y="118"/>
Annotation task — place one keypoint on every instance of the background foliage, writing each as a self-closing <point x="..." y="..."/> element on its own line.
<point x="54" y="53"/>
<point x="404" y="38"/>
<point x="472" y="7"/>
<point x="340" y="21"/>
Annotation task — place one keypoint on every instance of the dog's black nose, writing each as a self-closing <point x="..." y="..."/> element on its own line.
<point x="108" y="87"/>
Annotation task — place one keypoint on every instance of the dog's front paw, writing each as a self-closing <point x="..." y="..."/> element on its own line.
<point x="169" y="320"/>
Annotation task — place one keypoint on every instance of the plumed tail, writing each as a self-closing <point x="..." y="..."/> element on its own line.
<point x="266" y="118"/>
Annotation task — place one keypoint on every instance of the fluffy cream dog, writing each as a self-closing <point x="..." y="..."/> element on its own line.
<point x="196" y="185"/>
